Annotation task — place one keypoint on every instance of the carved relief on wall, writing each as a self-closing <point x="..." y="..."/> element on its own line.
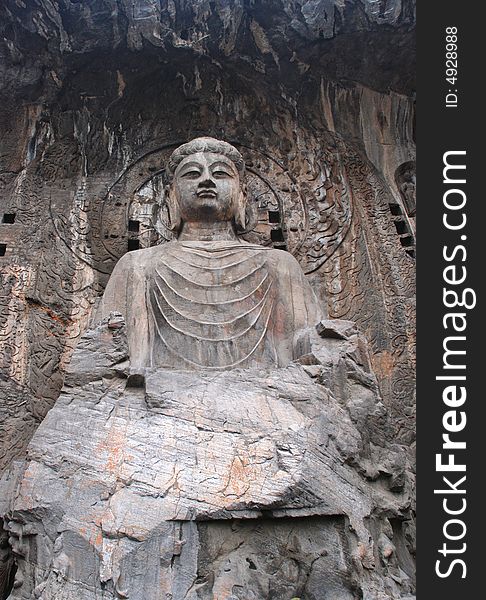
<point x="46" y="293"/>
<point x="406" y="183"/>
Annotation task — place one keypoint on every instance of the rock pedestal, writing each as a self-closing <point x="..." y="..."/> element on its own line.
<point x="243" y="484"/>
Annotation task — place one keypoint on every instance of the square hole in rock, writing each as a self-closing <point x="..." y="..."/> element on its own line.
<point x="402" y="227"/>
<point x="395" y="209"/>
<point x="134" y="226"/>
<point x="276" y="235"/>
<point x="406" y="241"/>
<point x="8" y="218"/>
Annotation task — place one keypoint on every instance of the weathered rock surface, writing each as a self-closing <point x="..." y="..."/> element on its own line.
<point x="251" y="483"/>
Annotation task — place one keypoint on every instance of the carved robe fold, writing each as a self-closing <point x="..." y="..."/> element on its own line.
<point x="211" y="305"/>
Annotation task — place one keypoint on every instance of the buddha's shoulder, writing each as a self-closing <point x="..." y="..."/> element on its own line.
<point x="143" y="257"/>
<point x="282" y="260"/>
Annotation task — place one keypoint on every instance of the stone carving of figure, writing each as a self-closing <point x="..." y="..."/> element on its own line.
<point x="209" y="299"/>
<point x="405" y="180"/>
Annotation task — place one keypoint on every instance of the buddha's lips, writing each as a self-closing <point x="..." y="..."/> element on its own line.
<point x="206" y="194"/>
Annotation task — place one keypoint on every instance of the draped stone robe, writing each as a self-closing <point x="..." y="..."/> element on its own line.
<point x="211" y="305"/>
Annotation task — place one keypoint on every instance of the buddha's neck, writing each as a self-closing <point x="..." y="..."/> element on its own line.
<point x="208" y="232"/>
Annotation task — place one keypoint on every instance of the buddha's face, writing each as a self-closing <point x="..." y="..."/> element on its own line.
<point x="207" y="188"/>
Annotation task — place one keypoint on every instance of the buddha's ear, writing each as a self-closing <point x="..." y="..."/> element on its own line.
<point x="175" y="220"/>
<point x="240" y="216"/>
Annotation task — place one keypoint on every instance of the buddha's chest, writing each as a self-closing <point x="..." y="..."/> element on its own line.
<point x="211" y="309"/>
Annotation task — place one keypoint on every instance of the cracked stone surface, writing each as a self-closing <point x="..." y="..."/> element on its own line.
<point x="251" y="483"/>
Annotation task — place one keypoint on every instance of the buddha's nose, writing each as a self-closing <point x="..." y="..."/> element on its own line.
<point x="207" y="182"/>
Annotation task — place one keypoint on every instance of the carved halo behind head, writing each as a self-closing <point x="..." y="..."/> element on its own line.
<point x="207" y="144"/>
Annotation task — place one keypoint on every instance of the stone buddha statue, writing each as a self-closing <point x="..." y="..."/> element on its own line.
<point x="208" y="299"/>
<point x="160" y="494"/>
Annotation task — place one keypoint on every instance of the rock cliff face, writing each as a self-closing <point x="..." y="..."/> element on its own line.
<point x="318" y="97"/>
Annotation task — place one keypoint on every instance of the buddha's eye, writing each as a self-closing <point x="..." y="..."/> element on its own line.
<point x="220" y="173"/>
<point x="193" y="174"/>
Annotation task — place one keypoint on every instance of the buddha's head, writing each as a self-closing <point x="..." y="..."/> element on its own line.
<point x="207" y="183"/>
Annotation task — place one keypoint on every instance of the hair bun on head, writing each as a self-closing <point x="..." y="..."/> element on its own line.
<point x="206" y="144"/>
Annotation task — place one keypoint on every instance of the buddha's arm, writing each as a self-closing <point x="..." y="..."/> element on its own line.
<point x="306" y="309"/>
<point x="125" y="293"/>
<point x="115" y="297"/>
